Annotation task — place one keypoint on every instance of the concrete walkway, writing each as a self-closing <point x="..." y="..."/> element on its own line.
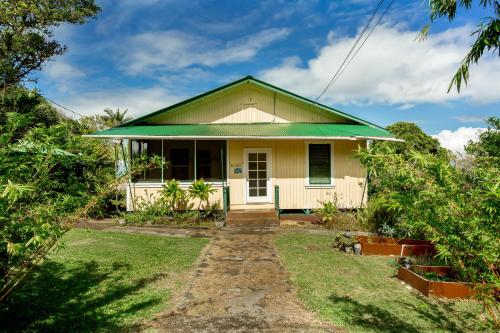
<point x="239" y="285"/>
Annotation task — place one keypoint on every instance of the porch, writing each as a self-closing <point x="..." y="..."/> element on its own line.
<point x="257" y="173"/>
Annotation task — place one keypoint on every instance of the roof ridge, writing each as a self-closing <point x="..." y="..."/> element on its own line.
<point x="250" y="78"/>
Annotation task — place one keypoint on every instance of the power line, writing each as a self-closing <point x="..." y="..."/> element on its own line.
<point x="64" y="107"/>
<point x="367" y="36"/>
<point x="351" y="50"/>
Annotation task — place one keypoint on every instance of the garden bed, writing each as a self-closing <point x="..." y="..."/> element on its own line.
<point x="387" y="246"/>
<point x="446" y="289"/>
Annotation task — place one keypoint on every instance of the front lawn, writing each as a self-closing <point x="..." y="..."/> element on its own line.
<point x="101" y="281"/>
<point x="362" y="293"/>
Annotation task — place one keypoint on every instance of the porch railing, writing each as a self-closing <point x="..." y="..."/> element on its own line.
<point x="225" y="199"/>
<point x="277" y="199"/>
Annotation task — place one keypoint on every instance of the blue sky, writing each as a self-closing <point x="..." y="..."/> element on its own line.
<point x="144" y="55"/>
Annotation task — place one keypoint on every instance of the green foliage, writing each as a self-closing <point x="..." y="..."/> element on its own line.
<point x="415" y="139"/>
<point x="376" y="217"/>
<point x="201" y="191"/>
<point x="487" y="32"/>
<point x="174" y="195"/>
<point x="26" y="34"/>
<point x="174" y="206"/>
<point x="457" y="209"/>
<point x="487" y="149"/>
<point x="341" y="241"/>
<point x="360" y="293"/>
<point x="101" y="282"/>
<point x="113" y="118"/>
<point x="327" y="212"/>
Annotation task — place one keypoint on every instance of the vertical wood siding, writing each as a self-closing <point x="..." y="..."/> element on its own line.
<point x="289" y="172"/>
<point x="143" y="193"/>
<point x="246" y="104"/>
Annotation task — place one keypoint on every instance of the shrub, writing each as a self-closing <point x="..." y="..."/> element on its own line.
<point x="376" y="216"/>
<point x="457" y="209"/>
<point x="341" y="241"/>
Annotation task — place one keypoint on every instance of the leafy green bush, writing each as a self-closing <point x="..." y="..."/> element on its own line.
<point x="341" y="241"/>
<point x="457" y="209"/>
<point x="173" y="205"/>
<point x="376" y="217"/>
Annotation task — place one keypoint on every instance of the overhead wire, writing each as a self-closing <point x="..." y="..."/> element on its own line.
<point x="64" y="107"/>
<point x="367" y="36"/>
<point x="348" y="57"/>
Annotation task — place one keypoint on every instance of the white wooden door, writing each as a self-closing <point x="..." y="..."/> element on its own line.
<point x="258" y="175"/>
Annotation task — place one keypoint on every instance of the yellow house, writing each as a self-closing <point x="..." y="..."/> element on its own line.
<point x="260" y="146"/>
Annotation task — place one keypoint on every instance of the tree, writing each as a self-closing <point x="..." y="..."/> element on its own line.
<point x="26" y="41"/>
<point x="457" y="209"/>
<point x="488" y="145"/>
<point x="415" y="139"/>
<point x="487" y="32"/>
<point x="114" y="118"/>
<point x="22" y="101"/>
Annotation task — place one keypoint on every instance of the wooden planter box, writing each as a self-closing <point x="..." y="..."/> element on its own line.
<point x="386" y="246"/>
<point x="435" y="288"/>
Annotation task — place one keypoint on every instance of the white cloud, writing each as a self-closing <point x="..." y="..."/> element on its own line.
<point x="137" y="101"/>
<point x="63" y="71"/>
<point x="392" y="68"/>
<point x="406" y="106"/>
<point x="456" y="140"/>
<point x="470" y="119"/>
<point x="174" y="50"/>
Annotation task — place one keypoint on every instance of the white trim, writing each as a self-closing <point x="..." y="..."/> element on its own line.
<point x="332" y="168"/>
<point x="239" y="137"/>
<point x="268" y="198"/>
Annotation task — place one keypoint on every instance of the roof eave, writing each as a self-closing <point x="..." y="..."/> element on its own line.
<point x="234" y="137"/>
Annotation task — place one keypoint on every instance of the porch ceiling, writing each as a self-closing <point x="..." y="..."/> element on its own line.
<point x="237" y="131"/>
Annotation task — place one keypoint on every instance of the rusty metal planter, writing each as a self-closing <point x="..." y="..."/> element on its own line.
<point x="435" y="288"/>
<point x="395" y="246"/>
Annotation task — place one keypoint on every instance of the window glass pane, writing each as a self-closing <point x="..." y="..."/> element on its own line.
<point x="252" y="157"/>
<point x="253" y="192"/>
<point x="252" y="183"/>
<point x="262" y="174"/>
<point x="211" y="160"/>
<point x="262" y="183"/>
<point x="262" y="166"/>
<point x="319" y="164"/>
<point x="262" y="157"/>
<point x="252" y="166"/>
<point x="148" y="148"/>
<point x="262" y="192"/>
<point x="252" y="174"/>
<point x="179" y="158"/>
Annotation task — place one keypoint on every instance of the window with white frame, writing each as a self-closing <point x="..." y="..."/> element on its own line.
<point x="319" y="161"/>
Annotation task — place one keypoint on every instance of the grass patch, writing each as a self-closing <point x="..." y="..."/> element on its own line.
<point x="362" y="293"/>
<point x="100" y="281"/>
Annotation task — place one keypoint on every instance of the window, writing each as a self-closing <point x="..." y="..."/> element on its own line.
<point x="211" y="160"/>
<point x="320" y="164"/>
<point x="179" y="155"/>
<point x="149" y="148"/>
<point x="186" y="160"/>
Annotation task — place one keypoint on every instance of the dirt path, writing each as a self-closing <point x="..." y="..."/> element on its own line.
<point x="239" y="286"/>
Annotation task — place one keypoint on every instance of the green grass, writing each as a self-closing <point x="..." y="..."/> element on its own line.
<point x="362" y="293"/>
<point x="100" y="281"/>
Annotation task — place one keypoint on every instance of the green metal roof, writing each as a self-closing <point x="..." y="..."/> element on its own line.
<point x="256" y="130"/>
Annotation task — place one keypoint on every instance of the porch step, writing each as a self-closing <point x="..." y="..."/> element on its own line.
<point x="252" y="217"/>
